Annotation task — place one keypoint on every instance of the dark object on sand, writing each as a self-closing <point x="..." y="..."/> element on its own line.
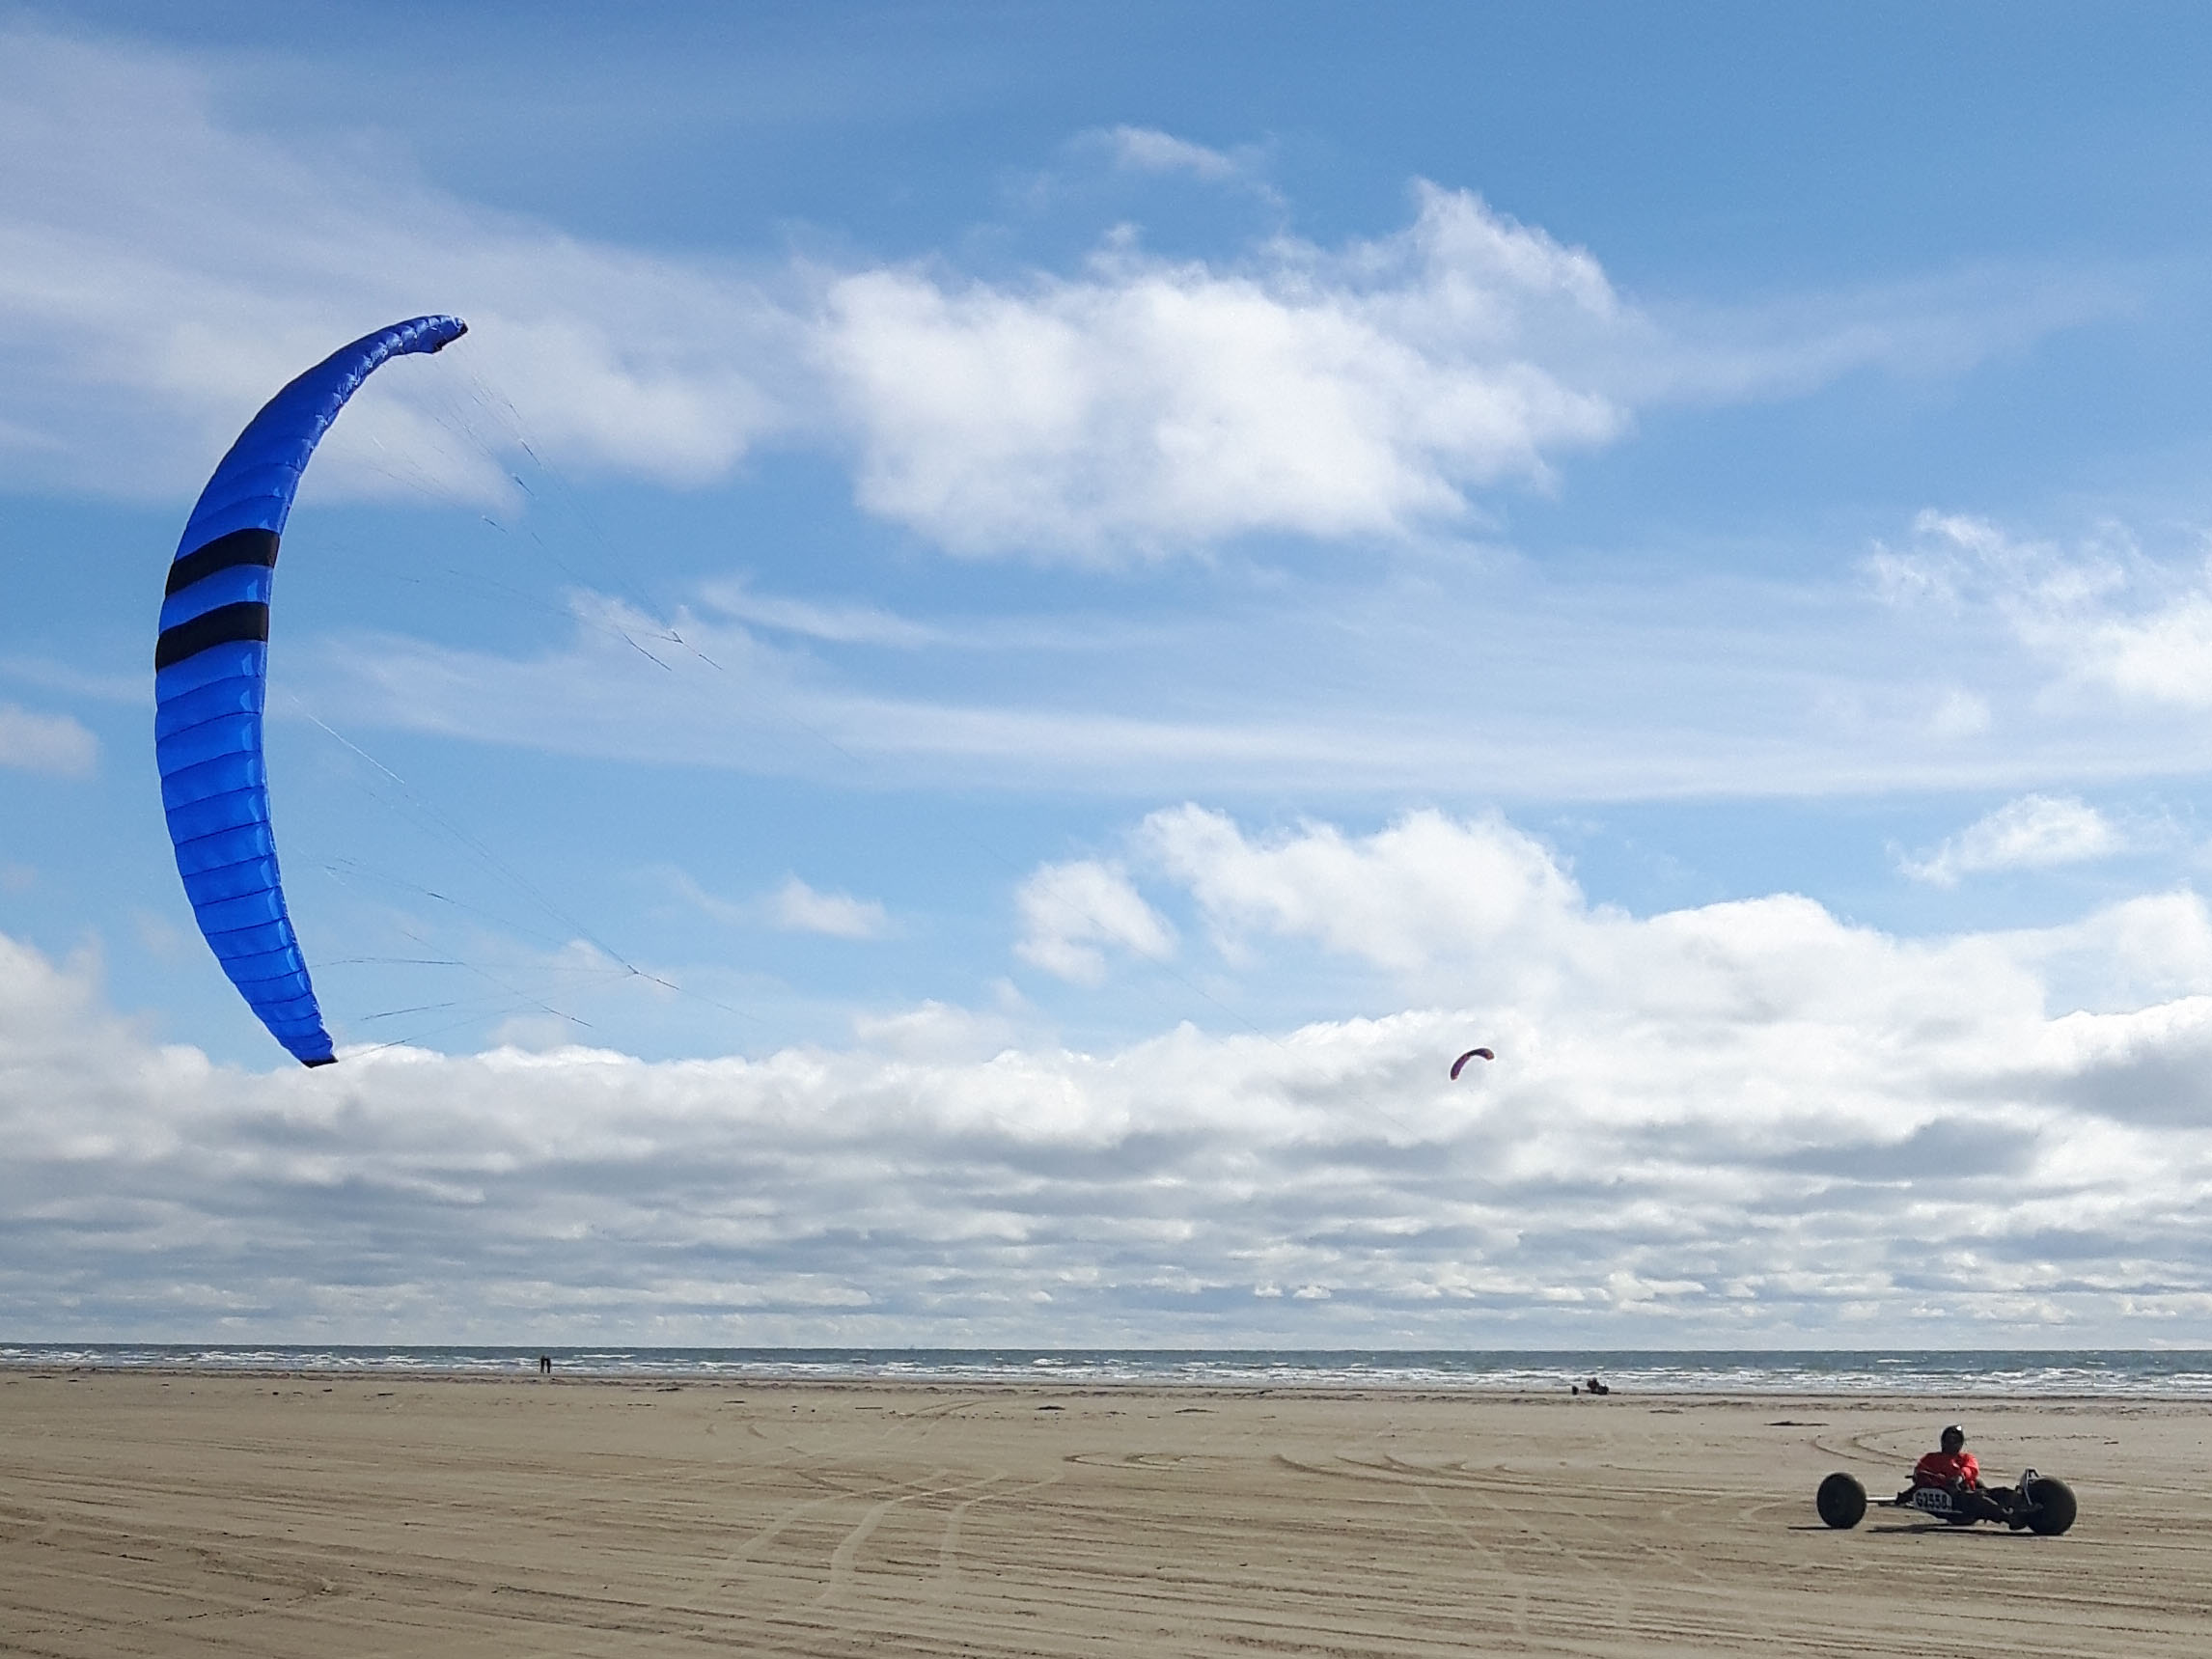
<point x="1591" y="1385"/>
<point x="2041" y="1504"/>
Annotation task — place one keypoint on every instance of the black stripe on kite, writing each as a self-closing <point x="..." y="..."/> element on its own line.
<point x="239" y="547"/>
<point x="248" y="620"/>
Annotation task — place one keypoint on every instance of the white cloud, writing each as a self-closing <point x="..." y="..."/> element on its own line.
<point x="162" y="272"/>
<point x="2163" y="654"/>
<point x="793" y="907"/>
<point x="2107" y="614"/>
<point x="2034" y="832"/>
<point x="161" y="269"/>
<point x="745" y="702"/>
<point x="1741" y="1121"/>
<point x="835" y="624"/>
<point x="1157" y="403"/>
<point x="1148" y="149"/>
<point x="1426" y="889"/>
<point x="1478" y="913"/>
<point x="53" y="743"/>
<point x="1513" y="686"/>
<point x="1362" y="390"/>
<point x="1069" y="910"/>
<point x="936" y="1031"/>
<point x="798" y="908"/>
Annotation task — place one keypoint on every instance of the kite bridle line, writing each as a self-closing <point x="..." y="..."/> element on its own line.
<point x="518" y="999"/>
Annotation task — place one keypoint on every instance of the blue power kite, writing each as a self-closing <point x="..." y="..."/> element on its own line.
<point x="211" y="672"/>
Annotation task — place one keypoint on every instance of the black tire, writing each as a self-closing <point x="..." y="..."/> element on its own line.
<point x="2054" y="1507"/>
<point x="1841" y="1501"/>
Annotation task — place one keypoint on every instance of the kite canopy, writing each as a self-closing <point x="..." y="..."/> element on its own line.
<point x="210" y="668"/>
<point x="1472" y="1053"/>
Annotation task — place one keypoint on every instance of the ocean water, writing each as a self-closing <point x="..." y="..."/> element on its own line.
<point x="2103" y="1372"/>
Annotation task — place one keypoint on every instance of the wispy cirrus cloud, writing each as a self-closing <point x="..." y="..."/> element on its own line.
<point x="834" y="624"/>
<point x="162" y="271"/>
<point x="794" y="908"/>
<point x="798" y="908"/>
<point x="1149" y="150"/>
<point x="2102" y="610"/>
<point x="1508" y="685"/>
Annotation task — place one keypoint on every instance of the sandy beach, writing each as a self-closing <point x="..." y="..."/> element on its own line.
<point x="341" y="1516"/>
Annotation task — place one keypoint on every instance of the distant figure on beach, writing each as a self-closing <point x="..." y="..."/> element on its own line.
<point x="1591" y="1385"/>
<point x="544" y="1364"/>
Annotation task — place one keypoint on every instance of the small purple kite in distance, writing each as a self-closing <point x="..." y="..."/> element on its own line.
<point x="1470" y="1054"/>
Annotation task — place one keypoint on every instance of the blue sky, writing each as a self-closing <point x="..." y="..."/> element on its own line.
<point x="1015" y="621"/>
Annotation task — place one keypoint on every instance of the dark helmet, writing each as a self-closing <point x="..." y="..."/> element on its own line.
<point x="1952" y="1433"/>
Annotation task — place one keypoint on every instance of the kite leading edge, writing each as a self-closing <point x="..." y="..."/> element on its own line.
<point x="211" y="672"/>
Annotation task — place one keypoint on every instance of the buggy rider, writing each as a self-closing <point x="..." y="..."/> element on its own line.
<point x="1957" y="1471"/>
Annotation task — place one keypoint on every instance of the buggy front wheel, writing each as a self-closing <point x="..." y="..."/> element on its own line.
<point x="1841" y="1501"/>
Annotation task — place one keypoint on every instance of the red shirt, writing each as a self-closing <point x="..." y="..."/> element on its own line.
<point x="1941" y="1468"/>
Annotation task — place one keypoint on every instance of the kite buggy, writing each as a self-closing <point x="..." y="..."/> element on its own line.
<point x="1947" y="1486"/>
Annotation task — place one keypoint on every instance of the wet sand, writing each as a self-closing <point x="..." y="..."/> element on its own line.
<point x="338" y="1518"/>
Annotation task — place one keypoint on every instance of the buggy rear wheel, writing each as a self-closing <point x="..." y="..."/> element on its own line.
<point x="1841" y="1501"/>
<point x="2052" y="1510"/>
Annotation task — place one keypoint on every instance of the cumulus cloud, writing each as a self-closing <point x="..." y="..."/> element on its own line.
<point x="1362" y="391"/>
<point x="2034" y="832"/>
<point x="1742" y="1118"/>
<point x="1351" y="393"/>
<point x="161" y="269"/>
<point x="1426" y="889"/>
<point x="1069" y="911"/>
<point x="53" y="743"/>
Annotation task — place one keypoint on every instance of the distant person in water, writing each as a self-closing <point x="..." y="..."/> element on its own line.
<point x="544" y="1364"/>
